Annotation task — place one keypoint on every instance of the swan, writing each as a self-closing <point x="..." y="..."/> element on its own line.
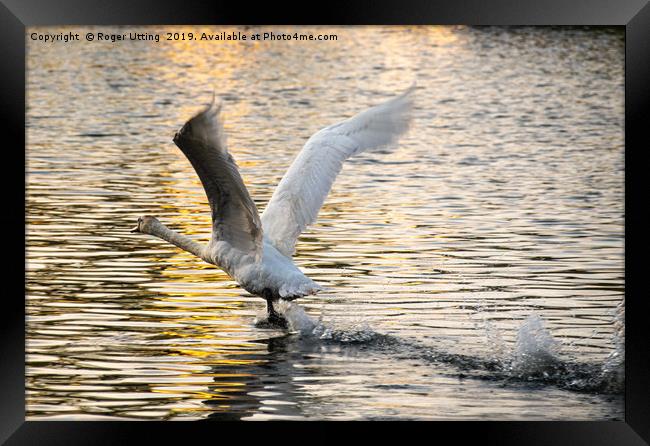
<point x="256" y="251"/>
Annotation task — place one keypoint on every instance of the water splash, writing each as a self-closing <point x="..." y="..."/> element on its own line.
<point x="536" y="351"/>
<point x="613" y="371"/>
<point x="535" y="357"/>
<point x="299" y="320"/>
<point x="309" y="328"/>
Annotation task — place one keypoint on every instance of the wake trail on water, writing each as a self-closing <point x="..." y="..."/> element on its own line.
<point x="535" y="358"/>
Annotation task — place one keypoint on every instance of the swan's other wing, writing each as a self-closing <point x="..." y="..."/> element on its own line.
<point x="234" y="216"/>
<point x="299" y="196"/>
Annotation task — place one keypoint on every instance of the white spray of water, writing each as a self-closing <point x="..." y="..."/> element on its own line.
<point x="535" y="349"/>
<point x="495" y="341"/>
<point x="308" y="327"/>
<point x="299" y="320"/>
<point x="613" y="371"/>
<point x="535" y="353"/>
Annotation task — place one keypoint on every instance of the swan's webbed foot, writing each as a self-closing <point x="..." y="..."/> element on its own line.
<point x="273" y="319"/>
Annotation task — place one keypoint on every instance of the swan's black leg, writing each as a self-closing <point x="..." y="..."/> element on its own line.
<point x="273" y="317"/>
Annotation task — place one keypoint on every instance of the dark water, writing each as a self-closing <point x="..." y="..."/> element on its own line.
<point x="476" y="272"/>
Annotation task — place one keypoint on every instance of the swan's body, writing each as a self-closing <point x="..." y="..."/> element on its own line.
<point x="275" y="274"/>
<point x="254" y="251"/>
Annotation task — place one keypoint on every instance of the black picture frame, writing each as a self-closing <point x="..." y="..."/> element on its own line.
<point x="15" y="15"/>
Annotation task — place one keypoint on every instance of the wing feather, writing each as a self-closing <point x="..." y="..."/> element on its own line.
<point x="234" y="215"/>
<point x="300" y="194"/>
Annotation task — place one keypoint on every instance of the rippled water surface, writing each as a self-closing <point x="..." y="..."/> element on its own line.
<point x="475" y="272"/>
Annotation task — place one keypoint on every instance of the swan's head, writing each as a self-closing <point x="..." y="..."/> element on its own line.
<point x="145" y="224"/>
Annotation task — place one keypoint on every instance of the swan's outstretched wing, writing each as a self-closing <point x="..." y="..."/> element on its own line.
<point x="234" y="215"/>
<point x="301" y="192"/>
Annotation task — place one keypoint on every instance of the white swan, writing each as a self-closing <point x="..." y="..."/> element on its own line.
<point x="254" y="251"/>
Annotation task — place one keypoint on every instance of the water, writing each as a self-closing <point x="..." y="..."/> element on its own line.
<point x="476" y="272"/>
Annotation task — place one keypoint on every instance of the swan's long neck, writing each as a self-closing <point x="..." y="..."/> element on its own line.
<point x="185" y="243"/>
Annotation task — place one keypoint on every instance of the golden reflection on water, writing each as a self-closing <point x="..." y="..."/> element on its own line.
<point x="504" y="200"/>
